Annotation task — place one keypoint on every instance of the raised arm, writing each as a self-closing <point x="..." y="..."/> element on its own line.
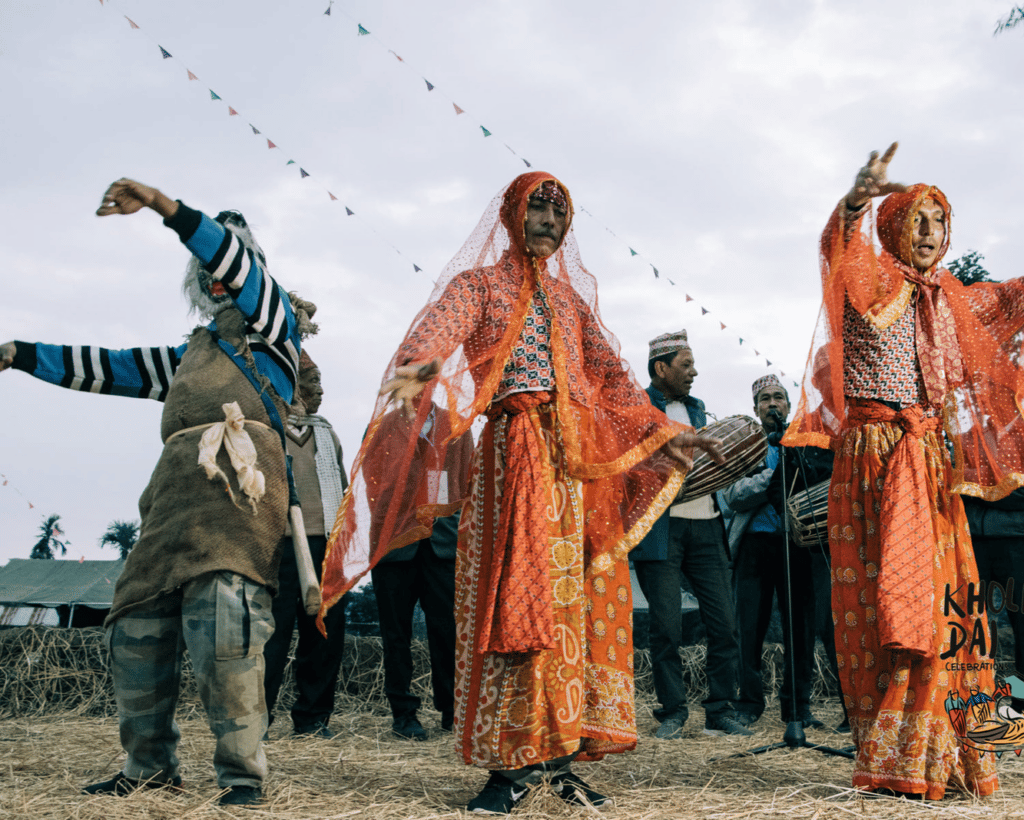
<point x="873" y="180"/>
<point x="138" y="372"/>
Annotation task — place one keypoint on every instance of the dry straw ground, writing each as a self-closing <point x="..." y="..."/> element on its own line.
<point x="57" y="733"/>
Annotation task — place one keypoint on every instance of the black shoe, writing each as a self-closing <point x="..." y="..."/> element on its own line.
<point x="670" y="729"/>
<point x="120" y="785"/>
<point x="573" y="789"/>
<point x="499" y="796"/>
<point x="747" y="719"/>
<point x="241" y="796"/>
<point x="318" y="729"/>
<point x="725" y="724"/>
<point x="810" y="721"/>
<point x="408" y="728"/>
<point x="447" y="721"/>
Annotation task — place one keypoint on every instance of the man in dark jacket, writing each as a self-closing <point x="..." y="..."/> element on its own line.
<point x="689" y="539"/>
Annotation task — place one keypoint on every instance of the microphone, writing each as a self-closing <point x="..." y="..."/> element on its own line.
<point x="776" y="417"/>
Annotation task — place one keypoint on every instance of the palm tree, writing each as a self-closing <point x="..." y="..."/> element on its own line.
<point x="51" y="536"/>
<point x="121" y="534"/>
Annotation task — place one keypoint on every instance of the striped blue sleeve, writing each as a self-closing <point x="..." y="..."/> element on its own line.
<point x="138" y="372"/>
<point x="274" y="337"/>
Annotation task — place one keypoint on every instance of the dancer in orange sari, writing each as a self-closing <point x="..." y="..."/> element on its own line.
<point x="572" y="468"/>
<point x="903" y="353"/>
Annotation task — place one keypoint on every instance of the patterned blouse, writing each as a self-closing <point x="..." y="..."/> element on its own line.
<point x="881" y="362"/>
<point x="529" y="364"/>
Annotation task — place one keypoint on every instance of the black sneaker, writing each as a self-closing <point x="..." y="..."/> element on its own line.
<point x="725" y="725"/>
<point x="573" y="789"/>
<point x="408" y="728"/>
<point x="121" y="785"/>
<point x="318" y="729"/>
<point x="241" y="796"/>
<point x="499" y="796"/>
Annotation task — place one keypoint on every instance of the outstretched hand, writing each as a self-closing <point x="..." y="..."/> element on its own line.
<point x="126" y="196"/>
<point x="7" y="351"/>
<point x="678" y="448"/>
<point x="408" y="383"/>
<point x="873" y="180"/>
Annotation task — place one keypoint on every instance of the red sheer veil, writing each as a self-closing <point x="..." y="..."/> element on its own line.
<point x="968" y="342"/>
<point x="471" y="322"/>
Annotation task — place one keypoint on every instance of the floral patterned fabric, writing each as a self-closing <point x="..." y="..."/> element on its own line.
<point x="516" y="709"/>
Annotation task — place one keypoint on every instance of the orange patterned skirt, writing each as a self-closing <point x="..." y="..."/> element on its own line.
<point x="520" y="708"/>
<point x="896" y="700"/>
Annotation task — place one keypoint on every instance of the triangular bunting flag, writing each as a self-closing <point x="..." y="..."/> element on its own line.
<point x="255" y="130"/>
<point x="349" y="211"/>
<point x="290" y="162"/>
<point x="632" y="252"/>
<point x="131" y="22"/>
<point x="458" y="110"/>
<point x="656" y="274"/>
<point x="756" y="353"/>
<point x="270" y="144"/>
<point x="689" y="298"/>
<point x="527" y="164"/>
<point x="1017" y="752"/>
<point x="397" y="57"/>
<point x="703" y="311"/>
<point x="31" y="506"/>
<point x="191" y="76"/>
<point x="741" y="340"/>
<point x="304" y="173"/>
<point x="782" y="374"/>
<point x="214" y="95"/>
<point x="232" y="112"/>
<point x="769" y="363"/>
<point x="796" y="384"/>
<point x="417" y="268"/>
<point x="164" y="51"/>
<point x="486" y="132"/>
<point x="362" y="30"/>
<point x="999" y="755"/>
<point x="328" y="12"/>
<point x="430" y="85"/>
<point x="671" y="282"/>
<point x="722" y="324"/>
<point x="332" y="196"/>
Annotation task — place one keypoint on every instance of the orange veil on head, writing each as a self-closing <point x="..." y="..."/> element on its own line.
<point x="968" y="342"/>
<point x="611" y="433"/>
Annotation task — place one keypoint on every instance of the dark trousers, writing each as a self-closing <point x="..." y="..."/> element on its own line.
<point x="398" y="585"/>
<point x="1002" y="560"/>
<point x="697" y="550"/>
<point x="317" y="659"/>
<point x="760" y="577"/>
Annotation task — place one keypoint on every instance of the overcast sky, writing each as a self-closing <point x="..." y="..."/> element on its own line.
<point x="713" y="139"/>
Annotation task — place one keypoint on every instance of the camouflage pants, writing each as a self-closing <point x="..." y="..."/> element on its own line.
<point x="223" y="620"/>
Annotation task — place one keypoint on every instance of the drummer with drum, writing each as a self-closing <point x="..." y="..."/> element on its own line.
<point x="689" y="539"/>
<point x="757" y="544"/>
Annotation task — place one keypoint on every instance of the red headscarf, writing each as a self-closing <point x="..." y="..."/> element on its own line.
<point x="968" y="342"/>
<point x="611" y="433"/>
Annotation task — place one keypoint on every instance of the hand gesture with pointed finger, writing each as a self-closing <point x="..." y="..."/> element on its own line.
<point x="873" y="180"/>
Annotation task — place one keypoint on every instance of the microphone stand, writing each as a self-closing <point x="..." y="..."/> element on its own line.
<point x="794" y="736"/>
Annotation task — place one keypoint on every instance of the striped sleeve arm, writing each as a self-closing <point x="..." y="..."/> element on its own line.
<point x="138" y="372"/>
<point x="255" y="292"/>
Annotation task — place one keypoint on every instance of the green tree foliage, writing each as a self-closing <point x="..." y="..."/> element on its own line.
<point x="121" y="534"/>
<point x="968" y="268"/>
<point x="51" y="538"/>
<point x="1014" y="18"/>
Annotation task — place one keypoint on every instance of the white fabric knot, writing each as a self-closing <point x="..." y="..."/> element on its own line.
<point x="242" y="452"/>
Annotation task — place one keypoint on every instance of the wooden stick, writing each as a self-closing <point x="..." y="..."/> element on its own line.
<point x="308" y="584"/>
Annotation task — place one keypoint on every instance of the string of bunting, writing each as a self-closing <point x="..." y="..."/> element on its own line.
<point x="271" y="144"/>
<point x="433" y="89"/>
<point x="6" y="482"/>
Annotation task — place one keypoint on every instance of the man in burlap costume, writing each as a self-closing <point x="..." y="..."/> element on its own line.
<point x="205" y="565"/>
